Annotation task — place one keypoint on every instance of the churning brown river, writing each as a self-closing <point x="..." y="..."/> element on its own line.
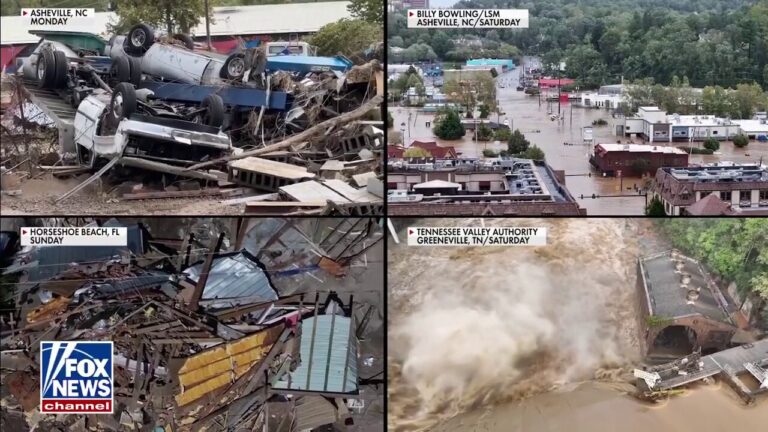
<point x="513" y="339"/>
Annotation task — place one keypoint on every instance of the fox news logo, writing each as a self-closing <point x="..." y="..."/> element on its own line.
<point x="76" y="377"/>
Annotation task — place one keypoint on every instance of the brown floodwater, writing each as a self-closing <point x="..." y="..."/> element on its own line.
<point x="532" y="118"/>
<point x="544" y="338"/>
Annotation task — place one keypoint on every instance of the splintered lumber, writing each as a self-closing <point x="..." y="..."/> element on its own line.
<point x="301" y="136"/>
<point x="90" y="179"/>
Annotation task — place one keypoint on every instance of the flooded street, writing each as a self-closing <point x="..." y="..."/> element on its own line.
<point x="528" y="338"/>
<point x="531" y="117"/>
<point x="599" y="407"/>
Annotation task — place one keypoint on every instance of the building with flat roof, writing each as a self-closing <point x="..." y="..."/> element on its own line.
<point x="754" y="129"/>
<point x="635" y="159"/>
<point x="467" y="74"/>
<point x="744" y="186"/>
<point x="655" y="125"/>
<point x="506" y="64"/>
<point x="506" y="186"/>
<point x="684" y="309"/>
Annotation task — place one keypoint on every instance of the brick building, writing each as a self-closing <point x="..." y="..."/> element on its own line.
<point x="684" y="310"/>
<point x="635" y="159"/>
<point x="478" y="187"/>
<point x="745" y="187"/>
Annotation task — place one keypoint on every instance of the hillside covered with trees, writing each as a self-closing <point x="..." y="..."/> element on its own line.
<point x="735" y="249"/>
<point x="709" y="42"/>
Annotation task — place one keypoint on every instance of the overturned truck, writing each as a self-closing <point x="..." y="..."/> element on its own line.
<point x="154" y="102"/>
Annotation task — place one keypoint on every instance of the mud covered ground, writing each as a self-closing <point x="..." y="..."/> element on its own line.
<point x="100" y="198"/>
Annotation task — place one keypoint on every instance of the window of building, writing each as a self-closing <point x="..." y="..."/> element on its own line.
<point x="725" y="196"/>
<point x="763" y="196"/>
<point x="484" y="185"/>
<point x="714" y="132"/>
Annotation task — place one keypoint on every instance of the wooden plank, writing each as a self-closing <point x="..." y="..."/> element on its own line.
<point x="252" y="198"/>
<point x="166" y="168"/>
<point x="172" y="194"/>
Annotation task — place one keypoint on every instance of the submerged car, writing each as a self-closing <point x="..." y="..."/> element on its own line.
<point x="125" y="123"/>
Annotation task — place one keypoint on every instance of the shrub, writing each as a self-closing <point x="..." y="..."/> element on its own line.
<point x="712" y="144"/>
<point x="484" y="133"/>
<point x="599" y="122"/>
<point x="534" y="153"/>
<point x="696" y="150"/>
<point x="502" y="134"/>
<point x="489" y="153"/>
<point x="655" y="207"/>
<point x="740" y="140"/>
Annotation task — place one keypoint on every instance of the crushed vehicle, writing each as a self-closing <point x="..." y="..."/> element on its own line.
<point x="121" y="124"/>
<point x="146" y="100"/>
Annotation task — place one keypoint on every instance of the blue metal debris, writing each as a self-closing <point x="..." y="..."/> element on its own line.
<point x="332" y="365"/>
<point x="232" y="96"/>
<point x="306" y="64"/>
<point x="234" y="279"/>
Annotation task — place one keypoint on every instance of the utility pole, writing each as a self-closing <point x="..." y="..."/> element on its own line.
<point x="207" y="25"/>
<point x="558" y="91"/>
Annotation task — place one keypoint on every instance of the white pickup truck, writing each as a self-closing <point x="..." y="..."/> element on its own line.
<point x="119" y="125"/>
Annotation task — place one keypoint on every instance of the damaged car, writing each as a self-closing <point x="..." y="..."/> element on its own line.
<point x="126" y="123"/>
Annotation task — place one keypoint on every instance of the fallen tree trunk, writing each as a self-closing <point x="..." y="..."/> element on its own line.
<point x="302" y="136"/>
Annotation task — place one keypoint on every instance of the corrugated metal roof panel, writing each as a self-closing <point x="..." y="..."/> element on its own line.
<point x="332" y="367"/>
<point x="312" y="412"/>
<point x="232" y="278"/>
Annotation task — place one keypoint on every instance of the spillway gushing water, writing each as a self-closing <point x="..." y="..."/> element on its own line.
<point x="476" y="327"/>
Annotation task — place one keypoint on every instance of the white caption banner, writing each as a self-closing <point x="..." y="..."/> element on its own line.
<point x="477" y="236"/>
<point x="74" y="236"/>
<point x="468" y="18"/>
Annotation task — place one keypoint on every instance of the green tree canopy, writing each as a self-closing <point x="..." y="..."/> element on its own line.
<point x="371" y="11"/>
<point x="171" y="15"/>
<point x="517" y="143"/>
<point x="448" y="125"/>
<point x="348" y="37"/>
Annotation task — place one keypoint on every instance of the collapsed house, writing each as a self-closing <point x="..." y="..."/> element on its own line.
<point x="240" y="127"/>
<point x="744" y="369"/>
<point x="264" y="335"/>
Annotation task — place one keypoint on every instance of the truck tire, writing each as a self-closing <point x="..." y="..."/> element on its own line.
<point x="46" y="69"/>
<point x="139" y="39"/>
<point x="185" y="39"/>
<point x="123" y="102"/>
<point x="62" y="69"/>
<point x="135" y="70"/>
<point x="234" y="67"/>
<point x="120" y="71"/>
<point x="214" y="110"/>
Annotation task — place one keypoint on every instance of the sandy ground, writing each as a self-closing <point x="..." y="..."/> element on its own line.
<point x="500" y="339"/>
<point x="39" y="196"/>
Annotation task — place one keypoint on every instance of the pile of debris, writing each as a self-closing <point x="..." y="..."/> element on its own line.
<point x="206" y="338"/>
<point x="287" y="134"/>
